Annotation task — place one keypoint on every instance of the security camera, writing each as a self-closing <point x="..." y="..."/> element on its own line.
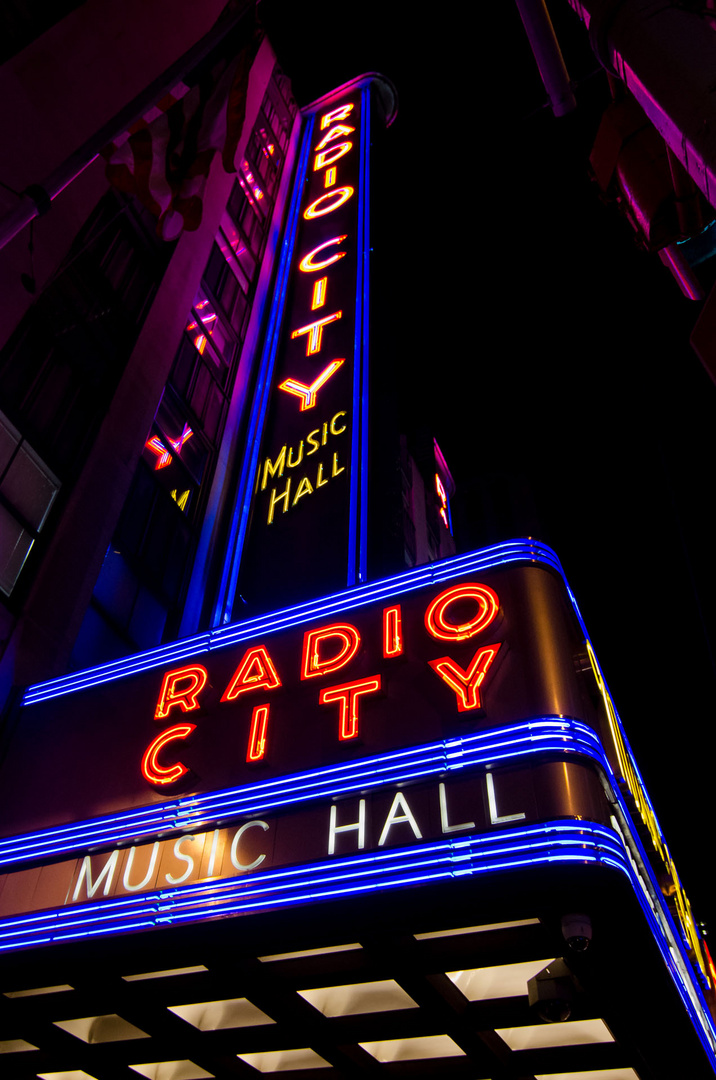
<point x="577" y="931"/>
<point x="552" y="992"/>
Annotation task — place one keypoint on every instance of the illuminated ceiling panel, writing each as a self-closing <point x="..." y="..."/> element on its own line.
<point x="572" y="1033"/>
<point x="309" y="952"/>
<point x="101" y="1029"/>
<point x="15" y="1046"/>
<point x="217" y="1015"/>
<point x="382" y="996"/>
<point x="37" y="990"/>
<point x="428" y="1046"/>
<point x="285" y="1060"/>
<point x="477" y="929"/>
<point x="591" y="1074"/>
<point x="503" y="980"/>
<point x="165" y="974"/>
<point x="171" y="1070"/>
<point x="72" y="1074"/>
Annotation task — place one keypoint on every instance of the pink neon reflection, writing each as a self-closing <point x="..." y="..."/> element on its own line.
<point x="157" y="447"/>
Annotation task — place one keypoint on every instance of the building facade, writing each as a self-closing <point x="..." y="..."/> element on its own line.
<point x="287" y="785"/>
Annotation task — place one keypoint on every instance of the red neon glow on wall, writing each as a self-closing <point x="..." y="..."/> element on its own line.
<point x="336" y="114"/>
<point x="326" y="204"/>
<point x="307" y="263"/>
<point x="313" y="664"/>
<point x="443" y="500"/>
<point x="347" y="695"/>
<point x="466" y="684"/>
<point x="392" y="631"/>
<point x="257" y="734"/>
<point x="157" y="447"/>
<point x="165" y="774"/>
<point x="307" y="394"/>
<point x="256" y="670"/>
<point x="437" y="624"/>
<point x="173" y="693"/>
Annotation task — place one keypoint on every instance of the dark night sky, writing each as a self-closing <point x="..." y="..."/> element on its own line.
<point x="546" y="351"/>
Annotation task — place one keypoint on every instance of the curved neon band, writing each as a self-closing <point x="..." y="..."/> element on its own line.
<point x="488" y="605"/>
<point x="307" y="265"/>
<point x="339" y="195"/>
<point x="165" y="774"/>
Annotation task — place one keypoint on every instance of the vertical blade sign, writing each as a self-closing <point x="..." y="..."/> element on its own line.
<point x="308" y="504"/>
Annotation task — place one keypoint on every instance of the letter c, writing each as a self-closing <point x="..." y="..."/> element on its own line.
<point x="164" y="774"/>
<point x="307" y="265"/>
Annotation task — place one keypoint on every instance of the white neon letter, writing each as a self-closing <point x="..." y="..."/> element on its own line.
<point x="394" y="818"/>
<point x="235" y="845"/>
<point x="357" y="826"/>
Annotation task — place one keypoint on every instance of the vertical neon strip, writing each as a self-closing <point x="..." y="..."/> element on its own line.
<point x="363" y="570"/>
<point x="257" y="735"/>
<point x="358" y="524"/>
<point x="239" y="523"/>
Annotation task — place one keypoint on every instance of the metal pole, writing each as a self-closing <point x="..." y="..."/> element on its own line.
<point x="547" y="53"/>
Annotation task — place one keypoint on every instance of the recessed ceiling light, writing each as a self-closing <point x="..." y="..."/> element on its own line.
<point x="71" y="1074"/>
<point x="309" y="952"/>
<point x="165" y="974"/>
<point x="503" y="980"/>
<point x="15" y="1046"/>
<point x="571" y="1033"/>
<point x="217" y="1015"/>
<point x="428" y="1046"/>
<point x="171" y="1070"/>
<point x="101" y="1029"/>
<point x="285" y="1060"/>
<point x="37" y="990"/>
<point x="382" y="996"/>
<point x="591" y="1074"/>
<point x="483" y="929"/>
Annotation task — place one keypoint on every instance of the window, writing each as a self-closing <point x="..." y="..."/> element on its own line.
<point x="137" y="601"/>
<point x="27" y="491"/>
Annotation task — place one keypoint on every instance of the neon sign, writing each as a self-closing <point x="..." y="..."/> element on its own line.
<point x="307" y="528"/>
<point x="407" y="680"/>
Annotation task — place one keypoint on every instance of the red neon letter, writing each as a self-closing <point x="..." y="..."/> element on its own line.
<point x="314" y="332"/>
<point x="307" y="265"/>
<point x="331" y="155"/>
<point x="318" y="207"/>
<point x="312" y="664"/>
<point x="307" y="394"/>
<point x="335" y="114"/>
<point x="257" y="734"/>
<point x="466" y="684"/>
<point x="255" y="670"/>
<point x="164" y="774"/>
<point x="487" y="607"/>
<point x="392" y="631"/>
<point x="336" y="132"/>
<point x="347" y="697"/>
<point x="194" y="677"/>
